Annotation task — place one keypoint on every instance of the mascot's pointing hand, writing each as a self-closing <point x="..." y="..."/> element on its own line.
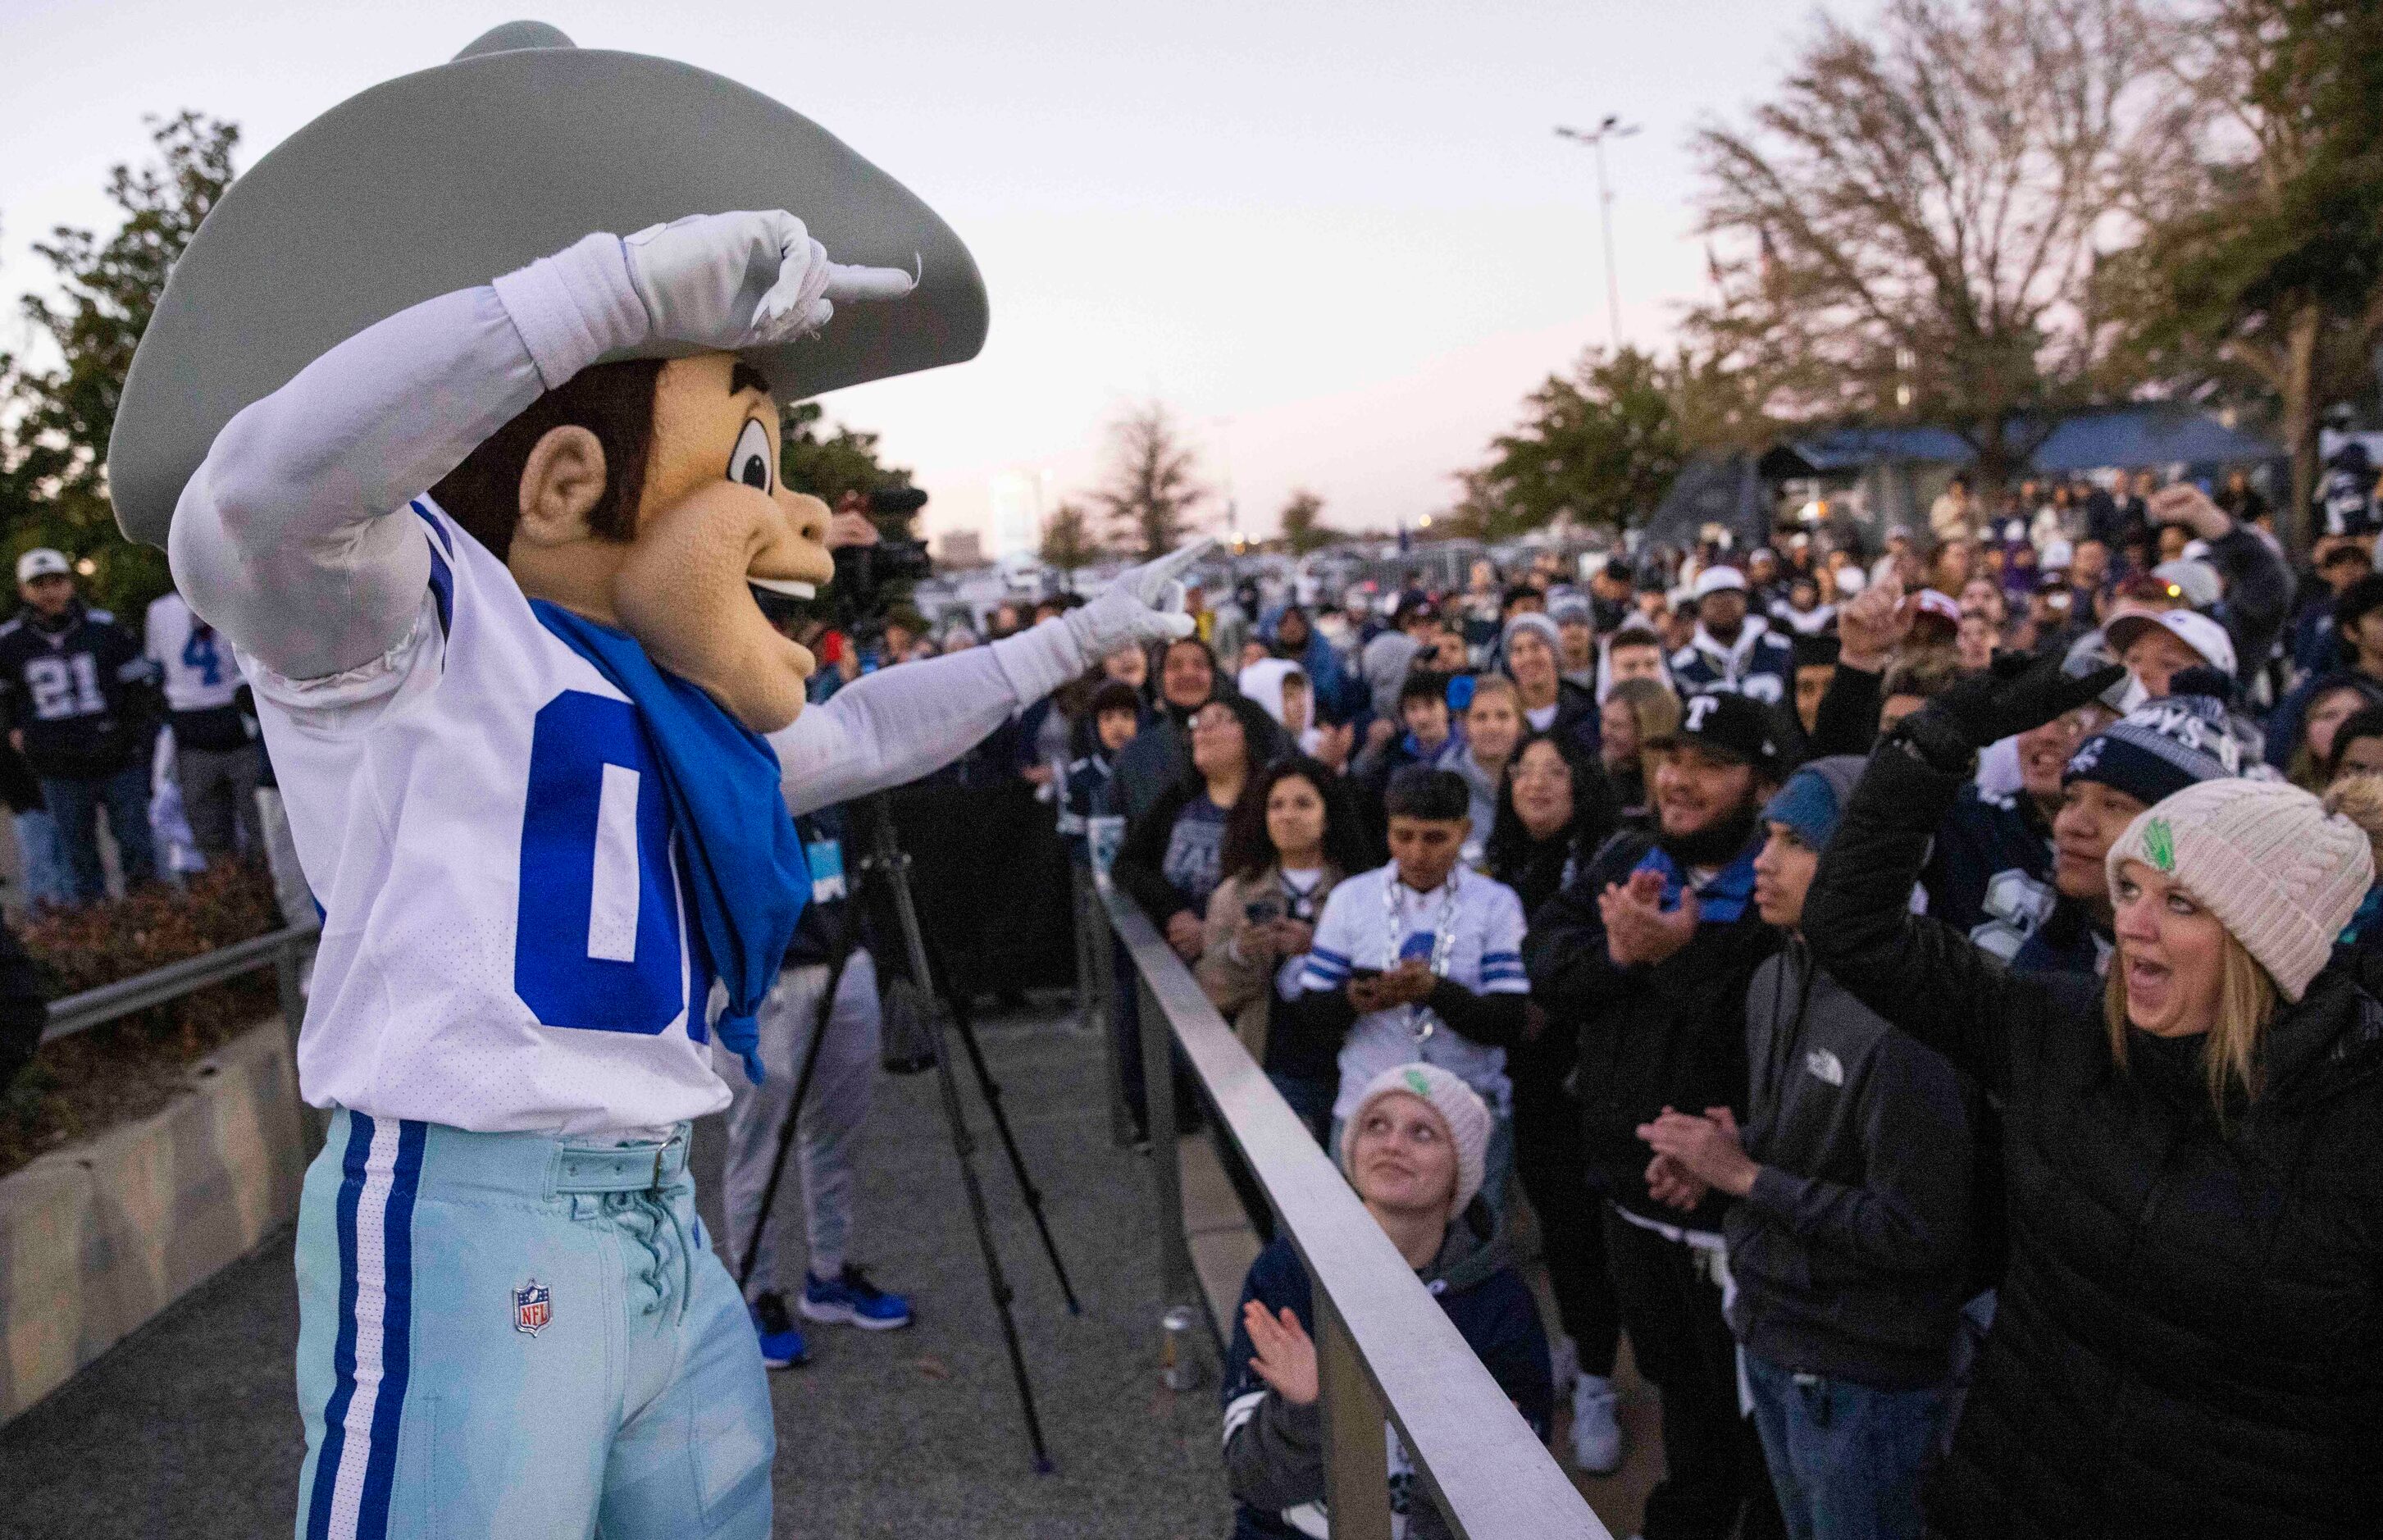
<point x="1144" y="604"/>
<point x="732" y="282"/>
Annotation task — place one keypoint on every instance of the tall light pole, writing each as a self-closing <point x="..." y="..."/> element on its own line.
<point x="1612" y="127"/>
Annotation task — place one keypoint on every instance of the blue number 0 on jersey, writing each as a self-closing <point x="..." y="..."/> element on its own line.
<point x="598" y="943"/>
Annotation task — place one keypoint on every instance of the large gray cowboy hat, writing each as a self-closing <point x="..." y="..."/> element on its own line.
<point x="445" y="178"/>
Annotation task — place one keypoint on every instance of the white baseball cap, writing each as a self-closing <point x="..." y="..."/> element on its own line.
<point x="2198" y="632"/>
<point x="1719" y="580"/>
<point x="2198" y="581"/>
<point x="41" y="562"/>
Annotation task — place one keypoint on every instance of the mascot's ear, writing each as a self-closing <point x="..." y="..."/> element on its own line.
<point x="560" y="484"/>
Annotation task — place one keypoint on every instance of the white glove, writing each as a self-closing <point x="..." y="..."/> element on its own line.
<point x="733" y="281"/>
<point x="1145" y="604"/>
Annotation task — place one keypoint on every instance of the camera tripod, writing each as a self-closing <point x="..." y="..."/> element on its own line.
<point x="887" y="860"/>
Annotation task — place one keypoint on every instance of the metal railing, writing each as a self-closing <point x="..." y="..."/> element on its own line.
<point x="284" y="951"/>
<point x="1385" y="1349"/>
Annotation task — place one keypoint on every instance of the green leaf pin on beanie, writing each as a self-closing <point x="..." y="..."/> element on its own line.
<point x="2159" y="844"/>
<point x="1419" y="1085"/>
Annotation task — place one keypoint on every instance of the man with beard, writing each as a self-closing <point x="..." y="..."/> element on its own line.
<point x="1731" y="650"/>
<point x="1647" y="956"/>
<point x="1161" y="754"/>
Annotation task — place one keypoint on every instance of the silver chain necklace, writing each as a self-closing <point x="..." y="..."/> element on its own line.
<point x="1420" y="1022"/>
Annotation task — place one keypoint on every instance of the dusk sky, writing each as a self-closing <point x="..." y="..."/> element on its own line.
<point x="1341" y="242"/>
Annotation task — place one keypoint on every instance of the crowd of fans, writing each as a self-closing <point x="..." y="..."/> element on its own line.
<point x="145" y="730"/>
<point x="1925" y="996"/>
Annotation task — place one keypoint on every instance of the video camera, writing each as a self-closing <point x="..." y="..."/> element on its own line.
<point x="866" y="575"/>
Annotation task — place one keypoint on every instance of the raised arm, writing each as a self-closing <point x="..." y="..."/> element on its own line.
<point x="293" y="538"/>
<point x="900" y="724"/>
<point x="1919" y="973"/>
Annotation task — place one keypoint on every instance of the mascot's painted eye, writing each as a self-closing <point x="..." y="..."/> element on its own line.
<point x="750" y="462"/>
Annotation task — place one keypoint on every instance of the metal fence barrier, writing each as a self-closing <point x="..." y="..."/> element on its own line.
<point x="284" y="951"/>
<point x="1385" y="1349"/>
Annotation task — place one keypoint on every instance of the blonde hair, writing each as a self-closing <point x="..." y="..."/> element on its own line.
<point x="2246" y="992"/>
<point x="1655" y="708"/>
<point x="2358" y="796"/>
<point x="1496" y="685"/>
<point x="2246" y="1006"/>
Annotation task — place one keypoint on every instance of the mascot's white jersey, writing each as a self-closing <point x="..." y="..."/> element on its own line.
<point x="506" y="941"/>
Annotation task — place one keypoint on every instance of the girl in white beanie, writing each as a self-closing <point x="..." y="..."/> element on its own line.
<point x="2190" y="1338"/>
<point x="1413" y="1149"/>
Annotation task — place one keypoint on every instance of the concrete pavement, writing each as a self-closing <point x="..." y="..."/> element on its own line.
<point x="190" y="1428"/>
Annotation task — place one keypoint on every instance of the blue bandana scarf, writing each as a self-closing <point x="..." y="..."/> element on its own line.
<point x="743" y="860"/>
<point x="1722" y="901"/>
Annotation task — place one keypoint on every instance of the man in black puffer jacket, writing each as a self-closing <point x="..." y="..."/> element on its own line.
<point x="2190" y="1339"/>
<point x="1646" y="957"/>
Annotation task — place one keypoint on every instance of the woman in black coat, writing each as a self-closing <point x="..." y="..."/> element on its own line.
<point x="1554" y="809"/>
<point x="2189" y="1337"/>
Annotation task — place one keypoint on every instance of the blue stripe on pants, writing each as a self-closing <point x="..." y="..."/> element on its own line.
<point x="380" y="1170"/>
<point x="396" y="1330"/>
<point x="343" y="1357"/>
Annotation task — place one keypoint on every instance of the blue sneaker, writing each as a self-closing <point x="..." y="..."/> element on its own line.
<point x="782" y="1341"/>
<point x="854" y="1301"/>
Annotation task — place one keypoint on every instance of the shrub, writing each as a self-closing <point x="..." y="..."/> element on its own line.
<point x="129" y="1067"/>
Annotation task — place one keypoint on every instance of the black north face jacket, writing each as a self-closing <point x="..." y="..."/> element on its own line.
<point x="2189" y="1341"/>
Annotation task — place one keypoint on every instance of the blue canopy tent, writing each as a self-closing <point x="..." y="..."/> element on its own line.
<point x="2120" y="437"/>
<point x="2132" y="437"/>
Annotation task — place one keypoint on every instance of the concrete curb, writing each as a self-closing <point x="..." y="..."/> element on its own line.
<point x="98" y="1237"/>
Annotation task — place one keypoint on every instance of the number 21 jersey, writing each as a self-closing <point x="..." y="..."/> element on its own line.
<point x="507" y="943"/>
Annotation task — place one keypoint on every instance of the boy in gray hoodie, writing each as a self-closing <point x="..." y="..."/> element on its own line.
<point x="1852" y="1230"/>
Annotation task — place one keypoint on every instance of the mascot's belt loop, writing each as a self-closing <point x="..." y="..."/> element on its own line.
<point x="618" y="1168"/>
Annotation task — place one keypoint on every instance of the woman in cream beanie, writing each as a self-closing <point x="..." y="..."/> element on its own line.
<point x="2190" y="1335"/>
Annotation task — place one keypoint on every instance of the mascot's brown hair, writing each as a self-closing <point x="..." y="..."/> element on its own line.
<point x="615" y="402"/>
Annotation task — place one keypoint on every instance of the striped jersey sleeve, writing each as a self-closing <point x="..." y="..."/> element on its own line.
<point x="1502" y="944"/>
<point x="1331" y="955"/>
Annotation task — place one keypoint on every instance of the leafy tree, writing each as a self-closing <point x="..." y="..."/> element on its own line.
<point x="1303" y="528"/>
<point x="827" y="466"/>
<point x="1907" y="229"/>
<point x="1069" y="542"/>
<point x="1152" y="487"/>
<point x="1601" y="447"/>
<point x="2263" y="264"/>
<point x="53" y="466"/>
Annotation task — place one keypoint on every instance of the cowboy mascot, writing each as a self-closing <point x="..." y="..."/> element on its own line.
<point x="460" y="418"/>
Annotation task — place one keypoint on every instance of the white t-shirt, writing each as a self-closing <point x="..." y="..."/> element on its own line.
<point x="196" y="660"/>
<point x="506" y="944"/>
<point x="1356" y="930"/>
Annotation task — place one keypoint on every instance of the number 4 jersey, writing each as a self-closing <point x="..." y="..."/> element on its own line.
<point x="507" y="941"/>
<point x="201" y="681"/>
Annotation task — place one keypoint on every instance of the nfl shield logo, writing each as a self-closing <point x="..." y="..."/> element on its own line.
<point x="532" y="1308"/>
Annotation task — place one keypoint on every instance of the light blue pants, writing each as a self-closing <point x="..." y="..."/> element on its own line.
<point x="512" y="1335"/>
